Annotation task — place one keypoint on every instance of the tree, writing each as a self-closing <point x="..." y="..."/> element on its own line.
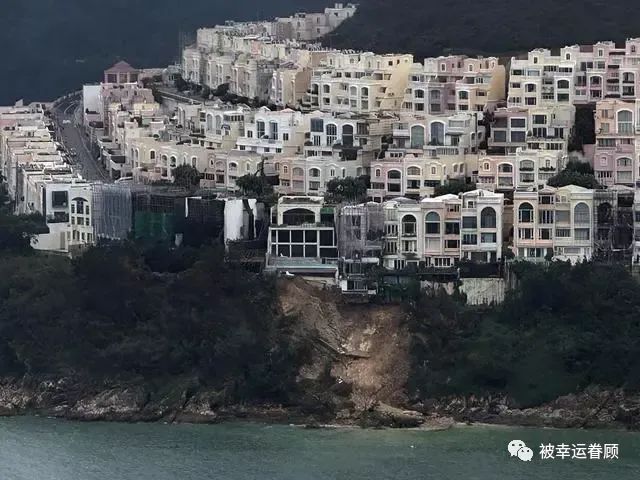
<point x="575" y="173"/>
<point x="186" y="176"/>
<point x="180" y="84"/>
<point x="348" y="189"/>
<point x="253" y="185"/>
<point x="453" y="187"/>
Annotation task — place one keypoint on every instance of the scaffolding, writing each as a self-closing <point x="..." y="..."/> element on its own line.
<point x="360" y="230"/>
<point x="614" y="228"/>
<point x="112" y="211"/>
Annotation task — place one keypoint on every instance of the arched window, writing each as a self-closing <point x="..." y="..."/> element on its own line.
<point x="332" y="172"/>
<point x="418" y="93"/>
<point x="488" y="218"/>
<point x="326" y="89"/>
<point x="247" y="167"/>
<point x="353" y="91"/>
<point x="563" y="83"/>
<point x="194" y="162"/>
<point x="525" y="213"/>
<point x="433" y="170"/>
<point x="625" y="121"/>
<point x="437" y="133"/>
<point x="413" y="171"/>
<point x="184" y="159"/>
<point x="455" y="168"/>
<point x="164" y="160"/>
<point x="285" y="169"/>
<point x="432" y="224"/>
<point x="486" y="165"/>
<point x="152" y="154"/>
<point x="417" y="136"/>
<point x="298" y="172"/>
<point x="581" y="214"/>
<point x="394" y="175"/>
<point x="505" y="168"/>
<point x="218" y="122"/>
<point x="314" y="172"/>
<point x="347" y="135"/>
<point x="209" y="123"/>
<point x="332" y="134"/>
<point x="378" y="173"/>
<point x="277" y="166"/>
<point x="233" y="167"/>
<point x="364" y="92"/>
<point x="298" y="216"/>
<point x="409" y="226"/>
<point x="172" y="161"/>
<point x="526" y="165"/>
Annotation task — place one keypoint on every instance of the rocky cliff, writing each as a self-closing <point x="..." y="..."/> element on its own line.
<point x="357" y="374"/>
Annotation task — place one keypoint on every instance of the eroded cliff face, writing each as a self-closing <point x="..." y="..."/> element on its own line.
<point x="356" y="375"/>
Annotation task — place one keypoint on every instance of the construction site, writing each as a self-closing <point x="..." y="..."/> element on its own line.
<point x="614" y="228"/>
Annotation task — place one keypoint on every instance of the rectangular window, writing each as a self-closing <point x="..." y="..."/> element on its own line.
<point x="452" y="244"/>
<point x="452" y="228"/>
<point x="488" y="238"/>
<point x="581" y="234"/>
<point x="525" y="233"/>
<point x="563" y="232"/>
<point x="469" y="222"/>
<point x="469" y="239"/>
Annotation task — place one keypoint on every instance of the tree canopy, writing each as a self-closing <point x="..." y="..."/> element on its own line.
<point x="348" y="189"/>
<point x="575" y="173"/>
<point x="186" y="176"/>
<point x="453" y="187"/>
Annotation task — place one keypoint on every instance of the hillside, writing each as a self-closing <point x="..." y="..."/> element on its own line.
<point x="434" y="28"/>
<point x="49" y="47"/>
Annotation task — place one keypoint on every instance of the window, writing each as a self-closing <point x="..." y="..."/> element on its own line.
<point x="563" y="233"/>
<point x="152" y="155"/>
<point x="417" y="136"/>
<point x="525" y="233"/>
<point x="452" y="228"/>
<point x="260" y="128"/>
<point x="413" y="171"/>
<point x="317" y="125"/>
<point x="625" y="122"/>
<point x="546" y="216"/>
<point x="518" y="123"/>
<point x="469" y="239"/>
<point x="581" y="234"/>
<point x="347" y="135"/>
<point x="488" y="218"/>
<point x="437" y="133"/>
<point x="469" y="222"/>
<point x="378" y="173"/>
<point x="332" y="134"/>
<point x="409" y="226"/>
<point x="432" y="224"/>
<point x="563" y="83"/>
<point x="525" y="213"/>
<point x="488" y="238"/>
<point x="581" y="214"/>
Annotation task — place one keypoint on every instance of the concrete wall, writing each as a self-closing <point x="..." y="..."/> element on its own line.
<point x="479" y="291"/>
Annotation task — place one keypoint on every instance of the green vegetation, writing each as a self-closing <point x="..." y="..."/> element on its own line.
<point x="453" y="187"/>
<point x="347" y="189"/>
<point x="491" y="27"/>
<point x="186" y="176"/>
<point x="563" y="328"/>
<point x="575" y="173"/>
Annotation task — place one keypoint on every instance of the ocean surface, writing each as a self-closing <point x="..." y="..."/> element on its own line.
<point x="47" y="449"/>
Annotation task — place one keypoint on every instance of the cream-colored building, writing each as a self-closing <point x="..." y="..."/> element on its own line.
<point x="554" y="223"/>
<point x="455" y="83"/>
<point x="359" y="82"/>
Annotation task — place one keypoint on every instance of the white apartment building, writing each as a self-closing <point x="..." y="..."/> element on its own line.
<point x="302" y="227"/>
<point x="579" y="74"/>
<point x="443" y="230"/>
<point x="310" y="175"/>
<point x="347" y="136"/>
<point x="279" y="132"/>
<point x="454" y="83"/>
<point x="67" y="206"/>
<point x="554" y="223"/>
<point x="222" y="125"/>
<point x="535" y="128"/>
<point x="311" y="26"/>
<point x="359" y="82"/>
<point x="527" y="168"/>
